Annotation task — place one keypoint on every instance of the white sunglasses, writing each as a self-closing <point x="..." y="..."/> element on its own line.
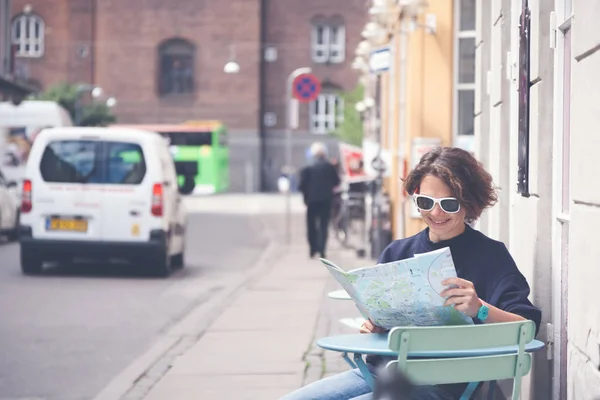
<point x="449" y="205"/>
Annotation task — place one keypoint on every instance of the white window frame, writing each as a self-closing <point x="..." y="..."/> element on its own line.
<point x="337" y="44"/>
<point x="326" y="113"/>
<point x="328" y="50"/>
<point x="560" y="208"/>
<point x="464" y="141"/>
<point x="27" y="23"/>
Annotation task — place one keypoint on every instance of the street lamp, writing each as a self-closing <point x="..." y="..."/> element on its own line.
<point x="412" y="9"/>
<point x="96" y="92"/>
<point x="231" y="67"/>
<point x="383" y="11"/>
<point x="375" y="33"/>
<point x="363" y="49"/>
<point x="84" y="87"/>
<point x="360" y="64"/>
<point x="360" y="107"/>
<point x="291" y="123"/>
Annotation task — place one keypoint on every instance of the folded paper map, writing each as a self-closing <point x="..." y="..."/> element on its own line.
<point x="403" y="293"/>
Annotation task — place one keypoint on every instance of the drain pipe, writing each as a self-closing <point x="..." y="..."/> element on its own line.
<point x="401" y="151"/>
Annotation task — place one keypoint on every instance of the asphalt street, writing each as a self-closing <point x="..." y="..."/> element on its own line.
<point x="64" y="335"/>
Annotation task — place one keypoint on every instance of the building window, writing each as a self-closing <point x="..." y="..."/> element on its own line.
<point x="464" y="74"/>
<point x="28" y="35"/>
<point x="328" y="40"/>
<point x="176" y="67"/>
<point x="326" y="113"/>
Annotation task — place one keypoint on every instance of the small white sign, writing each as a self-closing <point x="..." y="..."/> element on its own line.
<point x="380" y="60"/>
<point x="271" y="54"/>
<point x="293" y="121"/>
<point x="270" y="119"/>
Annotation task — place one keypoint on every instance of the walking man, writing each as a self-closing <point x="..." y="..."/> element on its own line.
<point x="317" y="182"/>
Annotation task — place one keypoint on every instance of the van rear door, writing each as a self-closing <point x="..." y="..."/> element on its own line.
<point x="66" y="189"/>
<point x="128" y="193"/>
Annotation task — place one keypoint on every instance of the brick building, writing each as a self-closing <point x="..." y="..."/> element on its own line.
<point x="134" y="48"/>
<point x="11" y="87"/>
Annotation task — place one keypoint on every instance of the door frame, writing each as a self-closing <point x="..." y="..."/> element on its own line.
<point x="561" y="179"/>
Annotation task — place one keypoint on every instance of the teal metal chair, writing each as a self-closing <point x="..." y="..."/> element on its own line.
<point x="473" y="344"/>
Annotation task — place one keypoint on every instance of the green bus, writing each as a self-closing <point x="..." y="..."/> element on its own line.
<point x="201" y="154"/>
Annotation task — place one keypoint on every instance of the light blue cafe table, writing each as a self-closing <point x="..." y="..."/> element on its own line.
<point x="447" y="354"/>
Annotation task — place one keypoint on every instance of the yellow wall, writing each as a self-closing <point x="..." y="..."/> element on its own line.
<point x="429" y="80"/>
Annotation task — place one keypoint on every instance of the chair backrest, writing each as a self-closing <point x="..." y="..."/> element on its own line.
<point x="473" y="343"/>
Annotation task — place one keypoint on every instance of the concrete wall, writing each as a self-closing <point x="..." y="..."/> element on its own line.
<point x="524" y="224"/>
<point x="584" y="273"/>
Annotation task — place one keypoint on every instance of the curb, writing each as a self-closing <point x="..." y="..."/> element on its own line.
<point x="136" y="380"/>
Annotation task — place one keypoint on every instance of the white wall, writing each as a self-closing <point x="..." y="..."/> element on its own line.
<point x="584" y="251"/>
<point x="524" y="224"/>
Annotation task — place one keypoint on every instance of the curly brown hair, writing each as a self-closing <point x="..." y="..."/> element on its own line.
<point x="470" y="183"/>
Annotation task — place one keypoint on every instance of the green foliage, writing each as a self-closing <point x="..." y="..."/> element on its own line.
<point x="92" y="114"/>
<point x="351" y="129"/>
<point x="64" y="94"/>
<point x="97" y="114"/>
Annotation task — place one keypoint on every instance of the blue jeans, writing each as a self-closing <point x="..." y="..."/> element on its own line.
<point x="351" y="385"/>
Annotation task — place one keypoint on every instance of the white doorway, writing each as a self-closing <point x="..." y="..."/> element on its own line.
<point x="561" y="202"/>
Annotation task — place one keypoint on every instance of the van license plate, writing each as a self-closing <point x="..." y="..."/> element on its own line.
<point x="74" y="225"/>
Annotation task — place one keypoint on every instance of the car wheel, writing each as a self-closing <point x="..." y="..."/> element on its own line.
<point x="13" y="235"/>
<point x="30" y="263"/>
<point x="162" y="265"/>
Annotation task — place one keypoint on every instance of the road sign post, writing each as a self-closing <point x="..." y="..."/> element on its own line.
<point x="380" y="61"/>
<point x="303" y="87"/>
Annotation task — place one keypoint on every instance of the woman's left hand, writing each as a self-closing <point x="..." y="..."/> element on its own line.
<point x="464" y="297"/>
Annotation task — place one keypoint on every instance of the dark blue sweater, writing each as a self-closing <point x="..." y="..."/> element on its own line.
<point x="481" y="260"/>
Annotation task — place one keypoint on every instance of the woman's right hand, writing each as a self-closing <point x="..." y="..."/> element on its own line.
<point x="370" y="327"/>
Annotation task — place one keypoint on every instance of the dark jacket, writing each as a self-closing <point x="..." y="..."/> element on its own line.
<point x="317" y="182"/>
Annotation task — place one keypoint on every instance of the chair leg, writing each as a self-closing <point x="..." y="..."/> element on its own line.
<point x="349" y="361"/>
<point x="364" y="371"/>
<point x="469" y="391"/>
<point x="516" y="394"/>
<point x="491" y="390"/>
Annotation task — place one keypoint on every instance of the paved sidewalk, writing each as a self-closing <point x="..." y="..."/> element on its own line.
<point x="261" y="347"/>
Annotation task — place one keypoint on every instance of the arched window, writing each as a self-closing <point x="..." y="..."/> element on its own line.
<point x="327" y="111"/>
<point x="176" y="67"/>
<point x="28" y="35"/>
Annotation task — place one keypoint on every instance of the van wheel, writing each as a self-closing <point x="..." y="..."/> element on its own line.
<point x="162" y="266"/>
<point x="177" y="260"/>
<point x="13" y="235"/>
<point x="30" y="264"/>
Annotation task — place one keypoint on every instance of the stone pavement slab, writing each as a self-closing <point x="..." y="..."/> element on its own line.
<point x="238" y="387"/>
<point x="258" y="347"/>
<point x="245" y="352"/>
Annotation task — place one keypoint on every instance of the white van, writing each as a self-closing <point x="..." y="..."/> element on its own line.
<point x="19" y="125"/>
<point x="101" y="193"/>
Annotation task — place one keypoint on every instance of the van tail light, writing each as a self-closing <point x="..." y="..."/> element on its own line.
<point x="26" y="197"/>
<point x="157" y="200"/>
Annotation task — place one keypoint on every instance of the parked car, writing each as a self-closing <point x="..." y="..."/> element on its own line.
<point x="9" y="208"/>
<point x="101" y="193"/>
